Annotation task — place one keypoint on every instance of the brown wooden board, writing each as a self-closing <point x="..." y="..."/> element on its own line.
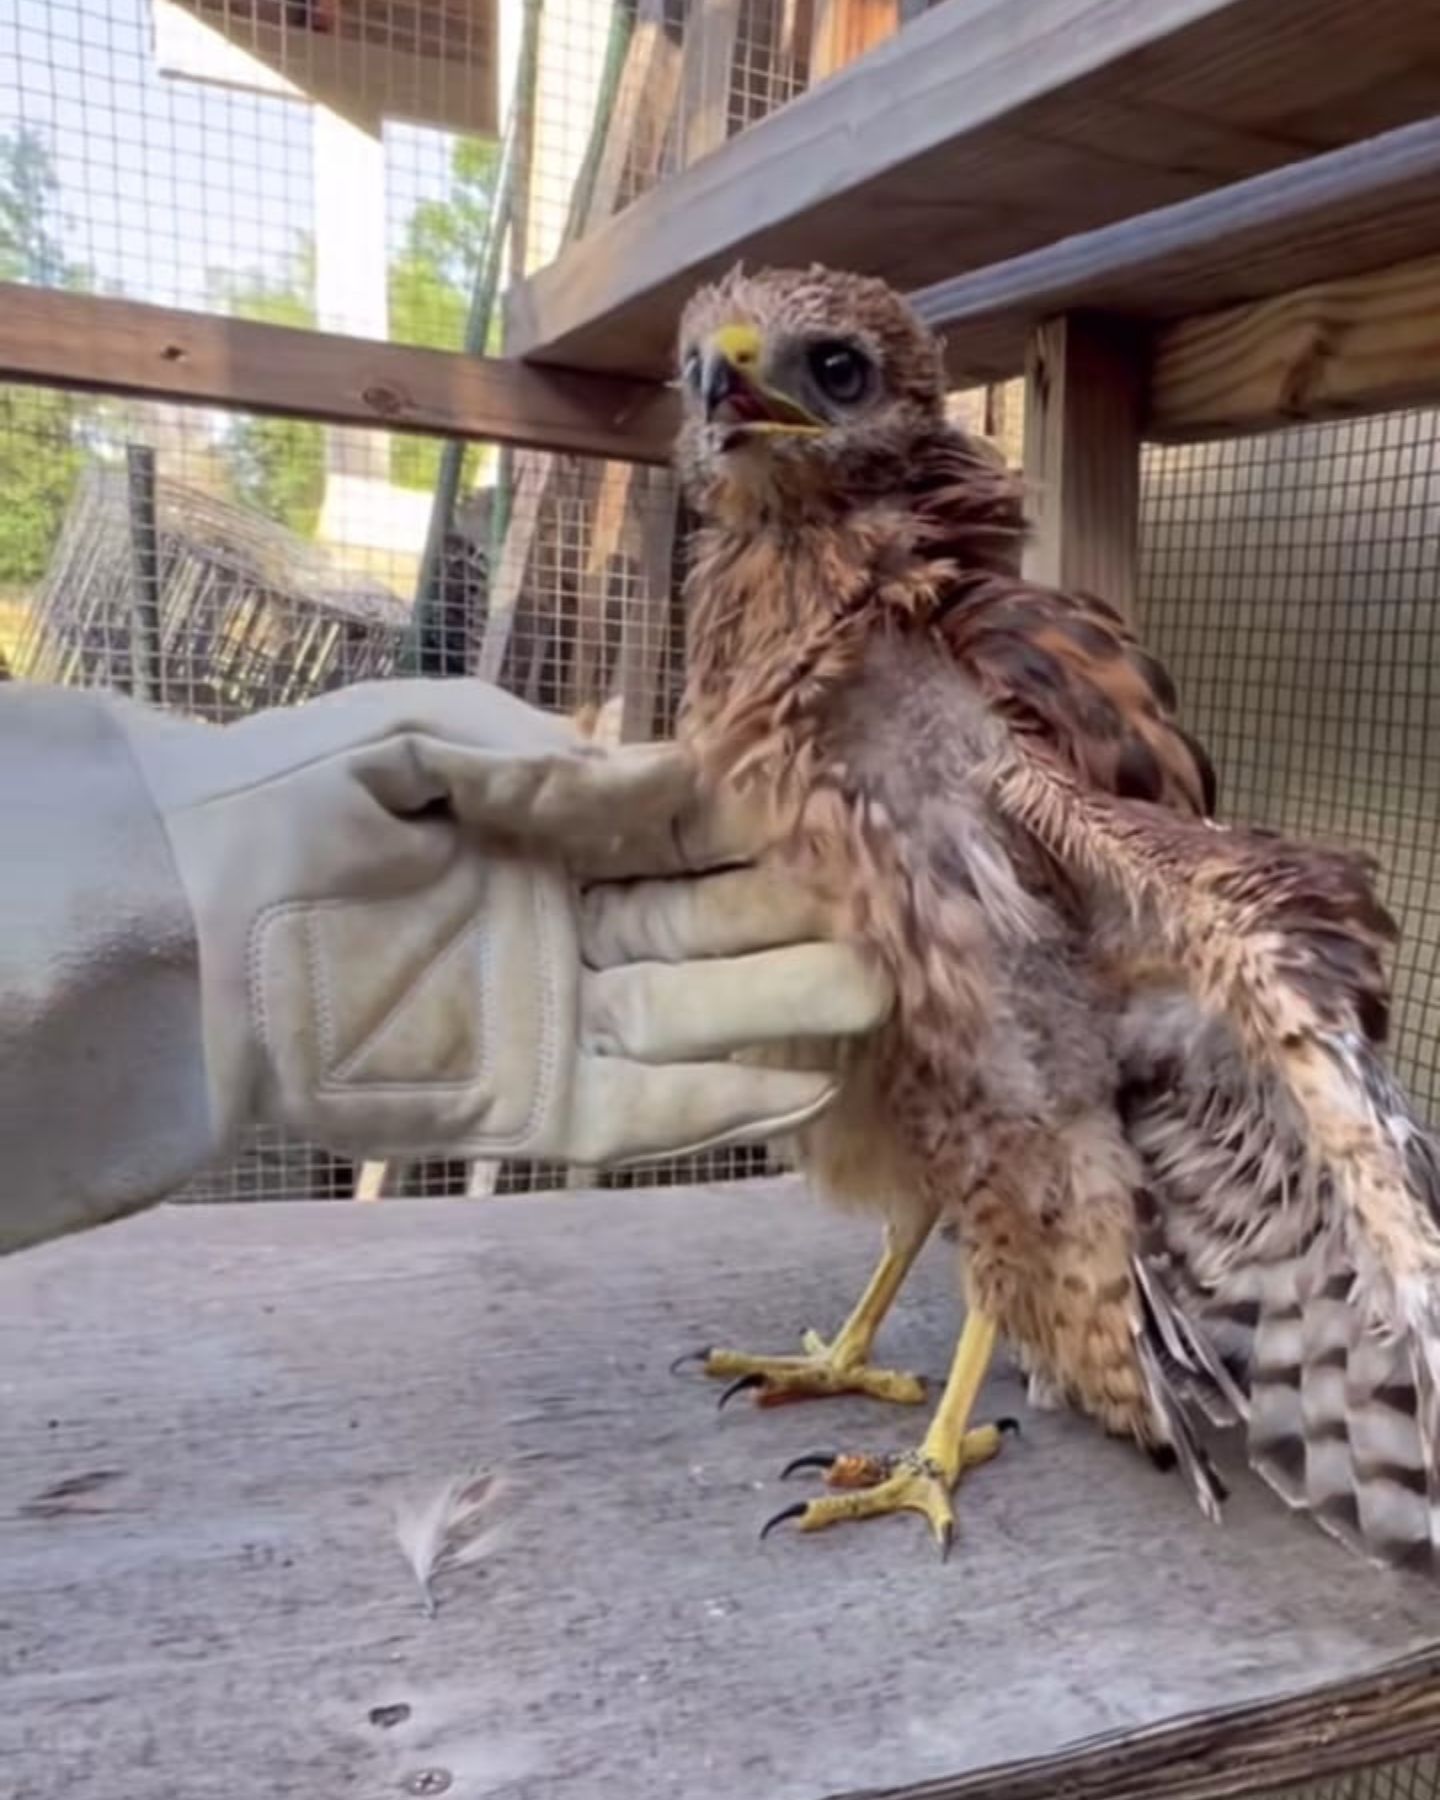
<point x="984" y="130"/>
<point x="208" y="1412"/>
<point x="1351" y="212"/>
<point x="155" y="352"/>
<point x="1362" y="344"/>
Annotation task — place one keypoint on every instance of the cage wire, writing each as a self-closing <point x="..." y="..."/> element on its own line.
<point x="1409" y="1778"/>
<point x="1291" y="584"/>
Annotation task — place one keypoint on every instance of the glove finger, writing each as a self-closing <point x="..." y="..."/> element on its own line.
<point x="583" y="805"/>
<point x="706" y="831"/>
<point x="627" y="1112"/>
<point x="674" y="1012"/>
<point x="712" y="915"/>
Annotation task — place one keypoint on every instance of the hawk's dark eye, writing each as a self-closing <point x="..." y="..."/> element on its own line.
<point x="841" y="371"/>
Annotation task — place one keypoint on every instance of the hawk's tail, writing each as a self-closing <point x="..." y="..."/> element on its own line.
<point x="1330" y="1365"/>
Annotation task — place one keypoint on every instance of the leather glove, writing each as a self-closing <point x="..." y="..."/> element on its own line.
<point x="419" y="929"/>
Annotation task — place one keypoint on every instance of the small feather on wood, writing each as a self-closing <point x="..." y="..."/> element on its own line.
<point x="449" y="1527"/>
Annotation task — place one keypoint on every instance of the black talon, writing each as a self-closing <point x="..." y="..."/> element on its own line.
<point x="738" y="1386"/>
<point x="1008" y="1427"/>
<point x="699" y="1356"/>
<point x="826" y="1459"/>
<point x="788" y="1512"/>
<point x="947" y="1538"/>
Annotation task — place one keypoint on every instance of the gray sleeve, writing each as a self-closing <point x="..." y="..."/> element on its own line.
<point x="103" y="1099"/>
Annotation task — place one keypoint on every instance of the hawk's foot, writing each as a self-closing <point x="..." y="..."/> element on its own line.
<point x="821" y="1371"/>
<point x="869" y="1487"/>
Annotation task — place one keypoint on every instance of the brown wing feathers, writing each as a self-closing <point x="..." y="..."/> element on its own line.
<point x="1339" y="1378"/>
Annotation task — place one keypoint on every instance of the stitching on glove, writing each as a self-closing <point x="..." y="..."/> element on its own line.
<point x="548" y="1057"/>
<point x="335" y="1075"/>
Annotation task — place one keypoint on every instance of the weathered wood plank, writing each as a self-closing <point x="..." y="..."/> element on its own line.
<point x="1352" y="211"/>
<point x="221" y="1611"/>
<point x="1360" y="345"/>
<point x="156" y="352"/>
<point x="1084" y="392"/>
<point x="983" y="130"/>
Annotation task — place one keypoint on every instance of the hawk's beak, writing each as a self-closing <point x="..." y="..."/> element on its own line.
<point x="734" y="393"/>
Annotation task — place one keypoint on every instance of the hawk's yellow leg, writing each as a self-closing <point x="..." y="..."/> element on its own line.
<point x="841" y="1366"/>
<point x="918" y="1480"/>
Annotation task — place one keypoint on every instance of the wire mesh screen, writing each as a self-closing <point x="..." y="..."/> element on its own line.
<point x="1409" y="1778"/>
<point x="1291" y="582"/>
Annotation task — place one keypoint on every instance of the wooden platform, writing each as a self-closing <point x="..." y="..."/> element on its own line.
<point x="206" y="1414"/>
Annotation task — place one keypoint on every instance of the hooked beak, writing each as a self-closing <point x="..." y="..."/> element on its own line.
<point x="734" y="394"/>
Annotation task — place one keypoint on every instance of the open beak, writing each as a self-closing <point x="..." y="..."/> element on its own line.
<point x="734" y="394"/>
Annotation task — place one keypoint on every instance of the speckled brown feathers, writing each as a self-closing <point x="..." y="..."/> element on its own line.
<point x="1126" y="1037"/>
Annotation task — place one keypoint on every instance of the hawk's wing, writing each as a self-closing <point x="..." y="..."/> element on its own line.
<point x="1296" y="1197"/>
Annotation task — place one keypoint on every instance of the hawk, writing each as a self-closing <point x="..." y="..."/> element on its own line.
<point x="1134" y="1065"/>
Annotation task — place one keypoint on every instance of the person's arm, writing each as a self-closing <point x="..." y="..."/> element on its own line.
<point x="372" y="919"/>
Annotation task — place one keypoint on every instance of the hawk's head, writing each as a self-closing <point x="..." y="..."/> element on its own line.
<point x="800" y="382"/>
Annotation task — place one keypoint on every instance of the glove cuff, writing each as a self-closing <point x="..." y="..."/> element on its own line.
<point x="104" y="1105"/>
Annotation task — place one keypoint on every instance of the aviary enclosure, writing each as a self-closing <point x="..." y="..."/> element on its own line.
<point x="334" y="337"/>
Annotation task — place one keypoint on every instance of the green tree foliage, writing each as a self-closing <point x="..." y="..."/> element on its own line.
<point x="432" y="276"/>
<point x="41" y="431"/>
<point x="277" y="465"/>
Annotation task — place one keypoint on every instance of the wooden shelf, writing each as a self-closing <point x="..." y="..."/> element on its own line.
<point x="1355" y="210"/>
<point x="980" y="132"/>
<point x="156" y="352"/>
<point x="210" y="1410"/>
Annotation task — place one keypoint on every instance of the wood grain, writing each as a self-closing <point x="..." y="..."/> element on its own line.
<point x="1084" y="390"/>
<point x="1349" y="212"/>
<point x="984" y="130"/>
<point x="845" y="29"/>
<point x="1326" y="351"/>
<point x="208" y="1412"/>
<point x="155" y="352"/>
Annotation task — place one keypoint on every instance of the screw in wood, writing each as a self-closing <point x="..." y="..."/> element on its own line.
<point x="428" y="1781"/>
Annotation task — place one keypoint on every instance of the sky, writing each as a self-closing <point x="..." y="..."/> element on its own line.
<point x="164" y="179"/>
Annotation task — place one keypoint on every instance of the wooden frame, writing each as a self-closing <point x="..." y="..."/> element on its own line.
<point x="1369" y="206"/>
<point x="116" y="346"/>
<point x="1084" y="395"/>
<point x="1019" y="125"/>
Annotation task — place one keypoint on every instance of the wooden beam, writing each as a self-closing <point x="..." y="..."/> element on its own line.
<point x="154" y="352"/>
<point x="1353" y="210"/>
<point x="1083" y="397"/>
<point x="1327" y="351"/>
<point x="979" y="132"/>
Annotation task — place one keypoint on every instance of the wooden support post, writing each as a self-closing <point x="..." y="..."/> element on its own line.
<point x="845" y="29"/>
<point x="1084" y="394"/>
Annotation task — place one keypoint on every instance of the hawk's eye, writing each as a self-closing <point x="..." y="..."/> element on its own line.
<point x="690" y="370"/>
<point x="841" y="371"/>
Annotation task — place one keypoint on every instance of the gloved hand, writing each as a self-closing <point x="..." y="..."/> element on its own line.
<point x="396" y="957"/>
<point x="419" y="930"/>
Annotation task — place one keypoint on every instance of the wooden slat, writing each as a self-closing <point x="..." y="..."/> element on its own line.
<point x="707" y="72"/>
<point x="1345" y="213"/>
<point x="1083" y="396"/>
<point x="155" y="352"/>
<point x="981" y="131"/>
<point x="1327" y="351"/>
